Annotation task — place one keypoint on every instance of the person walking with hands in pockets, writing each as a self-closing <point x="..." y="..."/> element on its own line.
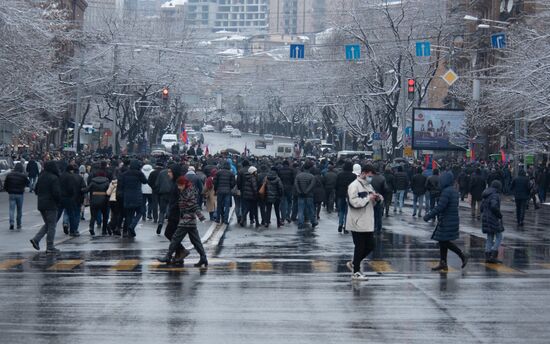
<point x="361" y="201"/>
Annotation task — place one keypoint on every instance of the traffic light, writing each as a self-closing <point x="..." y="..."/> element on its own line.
<point x="411" y="83"/>
<point x="165" y="93"/>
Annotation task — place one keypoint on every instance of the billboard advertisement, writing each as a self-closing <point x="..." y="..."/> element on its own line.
<point x="439" y="129"/>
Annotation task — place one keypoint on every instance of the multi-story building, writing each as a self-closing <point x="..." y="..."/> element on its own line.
<point x="297" y="17"/>
<point x="227" y="15"/>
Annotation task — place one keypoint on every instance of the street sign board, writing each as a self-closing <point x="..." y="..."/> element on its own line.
<point x="353" y="52"/>
<point x="498" y="40"/>
<point x="376" y="136"/>
<point x="408" y="151"/>
<point x="297" y="51"/>
<point x="450" y="77"/>
<point x="423" y="49"/>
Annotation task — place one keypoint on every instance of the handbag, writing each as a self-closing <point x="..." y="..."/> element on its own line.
<point x="262" y="191"/>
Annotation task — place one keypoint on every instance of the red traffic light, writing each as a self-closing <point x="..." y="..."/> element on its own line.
<point x="165" y="92"/>
<point x="411" y="83"/>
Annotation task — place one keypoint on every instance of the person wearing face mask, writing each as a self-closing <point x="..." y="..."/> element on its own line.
<point x="362" y="199"/>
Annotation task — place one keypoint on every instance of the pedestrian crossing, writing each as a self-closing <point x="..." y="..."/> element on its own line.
<point x="277" y="266"/>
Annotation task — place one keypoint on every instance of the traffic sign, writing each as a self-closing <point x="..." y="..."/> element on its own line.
<point x="376" y="136"/>
<point x="498" y="40"/>
<point x="450" y="77"/>
<point x="297" y="51"/>
<point x="408" y="151"/>
<point x="423" y="49"/>
<point x="353" y="52"/>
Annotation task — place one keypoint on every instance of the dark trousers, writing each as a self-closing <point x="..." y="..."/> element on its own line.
<point x="155" y="206"/>
<point x="169" y="232"/>
<point x="294" y="213"/>
<point x="194" y="237"/>
<point x="72" y="209"/>
<point x="147" y="206"/>
<point x="363" y="245"/>
<point x="238" y="206"/>
<point x="50" y="220"/>
<point x="249" y="206"/>
<point x="330" y="200"/>
<point x="445" y="246"/>
<point x="286" y="206"/>
<point x="164" y="201"/>
<point x="131" y="219"/>
<point x="263" y="212"/>
<point x="388" y="198"/>
<point x="103" y="209"/>
<point x="224" y="205"/>
<point x="276" y="205"/>
<point x="378" y="212"/>
<point x="521" y="204"/>
<point x="117" y="216"/>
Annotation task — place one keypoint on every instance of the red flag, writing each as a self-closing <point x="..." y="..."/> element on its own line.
<point x="184" y="137"/>
<point x="502" y="156"/>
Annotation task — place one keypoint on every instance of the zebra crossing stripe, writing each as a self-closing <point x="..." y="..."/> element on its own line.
<point x="10" y="263"/>
<point x="66" y="265"/>
<point x="126" y="265"/>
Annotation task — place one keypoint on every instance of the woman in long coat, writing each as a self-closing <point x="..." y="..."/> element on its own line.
<point x="491" y="221"/>
<point x="447" y="227"/>
<point x="210" y="195"/>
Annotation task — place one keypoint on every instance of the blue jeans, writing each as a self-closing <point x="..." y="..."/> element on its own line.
<point x="418" y="201"/>
<point x="224" y="205"/>
<point x="493" y="242"/>
<point x="305" y="206"/>
<point x="16" y="201"/>
<point x="71" y="210"/>
<point x="32" y="184"/>
<point x="286" y="206"/>
<point x="542" y="194"/>
<point x="342" y="207"/>
<point x="398" y="198"/>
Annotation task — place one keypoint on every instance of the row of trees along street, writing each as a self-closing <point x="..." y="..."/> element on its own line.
<point x="115" y="69"/>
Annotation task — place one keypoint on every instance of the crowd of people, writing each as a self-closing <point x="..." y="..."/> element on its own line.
<point x="121" y="192"/>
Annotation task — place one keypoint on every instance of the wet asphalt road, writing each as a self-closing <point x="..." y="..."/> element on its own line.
<point x="276" y="285"/>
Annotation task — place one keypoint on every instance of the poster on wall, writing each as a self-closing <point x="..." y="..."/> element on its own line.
<point x="439" y="129"/>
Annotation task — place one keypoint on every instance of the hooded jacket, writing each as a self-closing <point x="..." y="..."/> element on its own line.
<point x="224" y="181"/>
<point x="145" y="188"/>
<point x="129" y="184"/>
<point x="361" y="212"/>
<point x="98" y="191"/>
<point x="275" y="188"/>
<point x="446" y="209"/>
<point x="16" y="181"/>
<point x="490" y="209"/>
<point x="47" y="188"/>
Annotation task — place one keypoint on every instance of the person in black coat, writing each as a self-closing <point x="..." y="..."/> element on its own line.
<point x="249" y="196"/>
<point x="345" y="178"/>
<point x="329" y="181"/>
<point x="32" y="173"/>
<point x="390" y="182"/>
<point x="286" y="174"/>
<point x="463" y="184"/>
<point x="99" y="201"/>
<point x="48" y="193"/>
<point x="129" y="184"/>
<point x="224" y="182"/>
<point x="447" y="228"/>
<point x="491" y="221"/>
<point x="401" y="185"/>
<point x="15" y="184"/>
<point x="477" y="186"/>
<point x="418" y="186"/>
<point x="71" y="192"/>
<point x="521" y="191"/>
<point x="275" y="191"/>
<point x="319" y="193"/>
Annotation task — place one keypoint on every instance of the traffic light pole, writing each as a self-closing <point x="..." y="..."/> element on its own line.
<point x="115" y="72"/>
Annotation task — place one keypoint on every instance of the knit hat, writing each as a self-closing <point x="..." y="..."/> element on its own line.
<point x="357" y="169"/>
<point x="252" y="169"/>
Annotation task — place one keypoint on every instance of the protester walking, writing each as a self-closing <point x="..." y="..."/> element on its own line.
<point x="521" y="191"/>
<point x="33" y="170"/>
<point x="48" y="193"/>
<point x="491" y="221"/>
<point x="286" y="174"/>
<point x="304" y="184"/>
<point x="209" y="195"/>
<point x="345" y="178"/>
<point x="99" y="202"/>
<point x="388" y="197"/>
<point x="224" y="182"/>
<point x="361" y="200"/>
<point x="15" y="184"/>
<point x="477" y="186"/>
<point x="447" y="228"/>
<point x="401" y="186"/>
<point x="130" y="184"/>
<point x="433" y="188"/>
<point x="418" y="186"/>
<point x="147" y="191"/>
<point x="274" y="194"/>
<point x="163" y="186"/>
<point x="187" y="225"/>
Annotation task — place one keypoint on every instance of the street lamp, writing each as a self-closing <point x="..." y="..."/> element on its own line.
<point x="472" y="18"/>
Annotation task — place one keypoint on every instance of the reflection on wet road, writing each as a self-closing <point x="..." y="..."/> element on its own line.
<point x="279" y="285"/>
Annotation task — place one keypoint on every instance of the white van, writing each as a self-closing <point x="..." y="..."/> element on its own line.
<point x="284" y="150"/>
<point x="168" y="140"/>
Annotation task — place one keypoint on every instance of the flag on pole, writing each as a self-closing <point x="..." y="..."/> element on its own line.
<point x="206" y="151"/>
<point x="184" y="137"/>
<point x="502" y="156"/>
<point x="245" y="150"/>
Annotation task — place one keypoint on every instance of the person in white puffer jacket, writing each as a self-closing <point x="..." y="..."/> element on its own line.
<point x="361" y="201"/>
<point x="147" y="192"/>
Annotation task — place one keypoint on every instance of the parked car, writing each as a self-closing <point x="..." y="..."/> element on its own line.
<point x="5" y="169"/>
<point x="227" y="129"/>
<point x="236" y="133"/>
<point x="268" y="138"/>
<point x="196" y="137"/>
<point x="168" y="140"/>
<point x="208" y="129"/>
<point x="260" y="144"/>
